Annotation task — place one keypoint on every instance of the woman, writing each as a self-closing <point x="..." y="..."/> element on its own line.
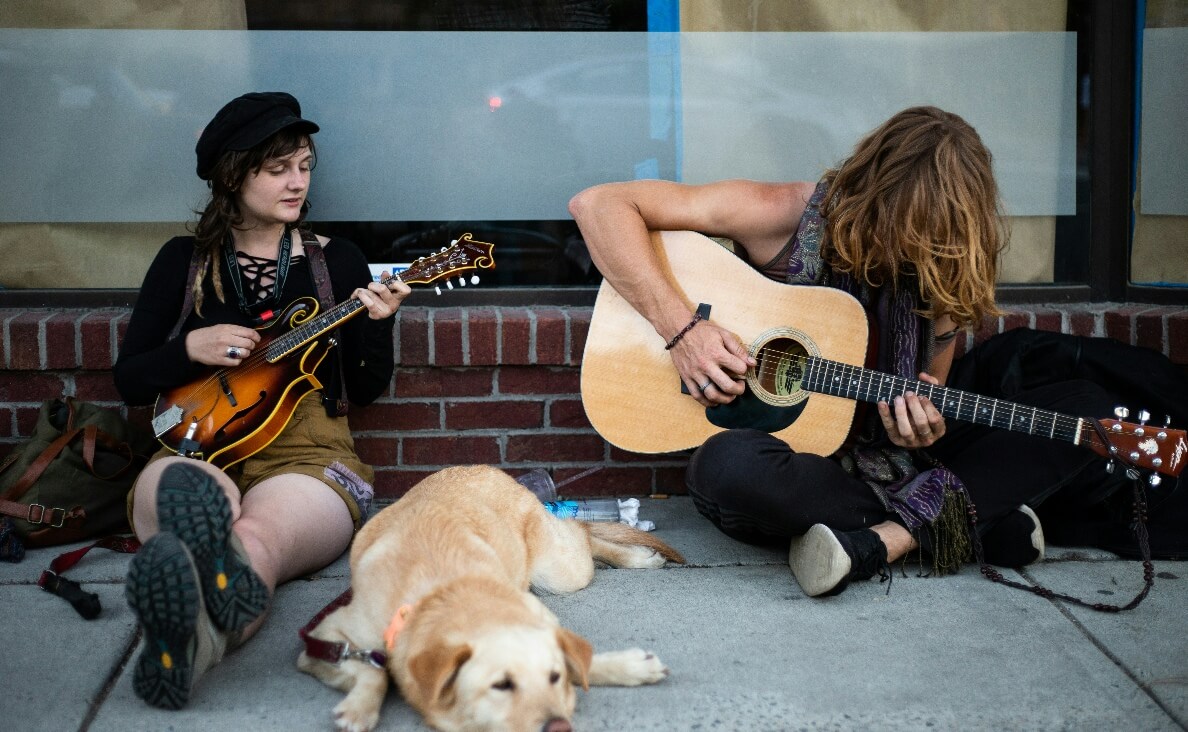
<point x="910" y="225"/>
<point x="217" y="543"/>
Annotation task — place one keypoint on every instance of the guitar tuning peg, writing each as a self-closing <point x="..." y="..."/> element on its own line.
<point x="474" y="280"/>
<point x="1143" y="416"/>
<point x="437" y="289"/>
<point x="1121" y="412"/>
<point x="1167" y="420"/>
<point x="1109" y="468"/>
<point x="1154" y="480"/>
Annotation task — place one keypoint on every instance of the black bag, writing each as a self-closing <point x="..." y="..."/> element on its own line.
<point x="70" y="481"/>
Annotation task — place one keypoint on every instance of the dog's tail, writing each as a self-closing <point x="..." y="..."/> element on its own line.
<point x="624" y="535"/>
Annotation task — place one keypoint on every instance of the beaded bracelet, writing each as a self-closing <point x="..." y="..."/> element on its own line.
<point x="676" y="338"/>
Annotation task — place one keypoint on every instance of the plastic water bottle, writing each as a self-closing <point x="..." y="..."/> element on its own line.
<point x="591" y="509"/>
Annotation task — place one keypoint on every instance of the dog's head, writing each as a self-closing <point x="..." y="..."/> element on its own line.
<point x="517" y="679"/>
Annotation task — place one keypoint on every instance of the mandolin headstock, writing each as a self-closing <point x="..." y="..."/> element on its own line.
<point x="463" y="255"/>
<point x="1150" y="447"/>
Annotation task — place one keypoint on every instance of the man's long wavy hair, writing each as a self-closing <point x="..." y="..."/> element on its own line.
<point x="918" y="199"/>
<point x="222" y="213"/>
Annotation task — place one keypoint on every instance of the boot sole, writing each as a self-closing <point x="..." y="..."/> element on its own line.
<point x="162" y="590"/>
<point x="191" y="505"/>
<point x="818" y="562"/>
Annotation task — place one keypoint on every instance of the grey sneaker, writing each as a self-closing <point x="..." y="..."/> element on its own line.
<point x="825" y="561"/>
<point x="179" y="641"/>
<point x="191" y="505"/>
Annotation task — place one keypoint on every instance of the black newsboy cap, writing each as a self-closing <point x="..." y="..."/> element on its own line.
<point x="246" y="121"/>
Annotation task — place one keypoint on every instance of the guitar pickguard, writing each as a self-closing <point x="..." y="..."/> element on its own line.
<point x="751" y="411"/>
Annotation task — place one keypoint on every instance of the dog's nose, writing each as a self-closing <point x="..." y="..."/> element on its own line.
<point x="557" y="725"/>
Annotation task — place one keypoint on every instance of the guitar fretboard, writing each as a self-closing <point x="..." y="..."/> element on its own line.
<point x="854" y="382"/>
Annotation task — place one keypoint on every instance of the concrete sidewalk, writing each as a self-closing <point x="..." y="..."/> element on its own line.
<point x="746" y="649"/>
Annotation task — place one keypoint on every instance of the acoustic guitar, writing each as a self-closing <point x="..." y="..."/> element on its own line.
<point x="233" y="413"/>
<point x="809" y="344"/>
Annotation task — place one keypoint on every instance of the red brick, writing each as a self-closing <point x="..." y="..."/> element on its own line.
<point x="1082" y="323"/>
<point x="413" y="334"/>
<point x="494" y="415"/>
<point x="609" y="481"/>
<point x="447" y="337"/>
<point x="550" y="337"/>
<point x="1148" y="327"/>
<point x="378" y="451"/>
<point x="30" y="387"/>
<point x="396" y="417"/>
<point x="60" y="351"/>
<point x="579" y="328"/>
<point x="450" y="450"/>
<point x="568" y="414"/>
<point x="516" y="336"/>
<point x="7" y="420"/>
<point x="989" y="327"/>
<point x="1119" y="322"/>
<point x="24" y="335"/>
<point x="539" y="380"/>
<point x="121" y="326"/>
<point x="1047" y="319"/>
<point x="1177" y="337"/>
<point x="670" y="481"/>
<point x="97" y="352"/>
<point x="392" y="484"/>
<point x="95" y="386"/>
<point x="483" y="334"/>
<point x="1015" y="319"/>
<point x="431" y="382"/>
<point x="553" y="447"/>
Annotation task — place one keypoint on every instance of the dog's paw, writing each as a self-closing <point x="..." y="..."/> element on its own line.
<point x="642" y="557"/>
<point x="632" y="667"/>
<point x="351" y="716"/>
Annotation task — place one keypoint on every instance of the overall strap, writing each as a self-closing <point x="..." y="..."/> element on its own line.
<point x="188" y="303"/>
<point x="321" y="277"/>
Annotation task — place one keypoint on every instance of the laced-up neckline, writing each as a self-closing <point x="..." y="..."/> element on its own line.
<point x="259" y="275"/>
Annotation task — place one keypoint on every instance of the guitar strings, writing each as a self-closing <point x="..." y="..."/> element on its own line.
<point x="1065" y="427"/>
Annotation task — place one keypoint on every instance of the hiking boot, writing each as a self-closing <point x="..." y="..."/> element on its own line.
<point x="179" y="641"/>
<point x="825" y="561"/>
<point x="1015" y="541"/>
<point x="191" y="505"/>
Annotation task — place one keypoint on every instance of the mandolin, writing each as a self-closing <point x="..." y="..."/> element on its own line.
<point x="809" y="344"/>
<point x="233" y="413"/>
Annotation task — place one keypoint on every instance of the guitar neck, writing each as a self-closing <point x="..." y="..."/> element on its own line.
<point x="854" y="382"/>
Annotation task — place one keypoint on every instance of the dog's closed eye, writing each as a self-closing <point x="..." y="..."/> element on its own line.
<point x="504" y="684"/>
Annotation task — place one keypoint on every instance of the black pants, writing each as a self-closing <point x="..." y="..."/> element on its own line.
<point x="754" y="488"/>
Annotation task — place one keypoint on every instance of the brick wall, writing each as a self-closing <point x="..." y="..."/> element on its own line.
<point x="496" y="385"/>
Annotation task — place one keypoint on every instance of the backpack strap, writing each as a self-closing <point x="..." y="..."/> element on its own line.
<point x="188" y="303"/>
<point x="321" y="277"/>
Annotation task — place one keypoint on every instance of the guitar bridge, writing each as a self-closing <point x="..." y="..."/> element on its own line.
<point x="167" y="420"/>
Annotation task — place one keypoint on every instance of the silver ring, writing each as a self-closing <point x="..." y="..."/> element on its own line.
<point x="232" y="352"/>
<point x="706" y="385"/>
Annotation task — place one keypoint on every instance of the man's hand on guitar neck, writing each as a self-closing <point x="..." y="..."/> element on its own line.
<point x="712" y="363"/>
<point x="913" y="422"/>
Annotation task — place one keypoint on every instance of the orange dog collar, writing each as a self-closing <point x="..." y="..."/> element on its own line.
<point x="395" y="626"/>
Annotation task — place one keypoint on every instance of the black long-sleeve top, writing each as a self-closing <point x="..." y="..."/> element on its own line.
<point x="149" y="363"/>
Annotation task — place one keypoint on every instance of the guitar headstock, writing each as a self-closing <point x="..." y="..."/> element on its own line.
<point x="463" y="255"/>
<point x="1150" y="447"/>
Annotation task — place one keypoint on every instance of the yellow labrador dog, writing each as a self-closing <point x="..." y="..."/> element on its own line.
<point x="440" y="583"/>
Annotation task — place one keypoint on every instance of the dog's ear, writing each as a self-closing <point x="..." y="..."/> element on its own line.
<point x="436" y="670"/>
<point x="578" y="654"/>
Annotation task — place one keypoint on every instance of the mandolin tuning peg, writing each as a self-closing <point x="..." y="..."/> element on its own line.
<point x="474" y="280"/>
<point x="461" y="282"/>
<point x="1154" y="480"/>
<point x="1121" y="412"/>
<point x="449" y="285"/>
<point x="437" y="289"/>
<point x="452" y="243"/>
<point x="1143" y="416"/>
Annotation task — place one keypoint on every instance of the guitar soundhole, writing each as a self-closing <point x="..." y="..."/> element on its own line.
<point x="780" y="371"/>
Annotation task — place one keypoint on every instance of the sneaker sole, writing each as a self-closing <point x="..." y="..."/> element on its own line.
<point x="818" y="561"/>
<point x="191" y="505"/>
<point x="162" y="590"/>
<point x="1037" y="534"/>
